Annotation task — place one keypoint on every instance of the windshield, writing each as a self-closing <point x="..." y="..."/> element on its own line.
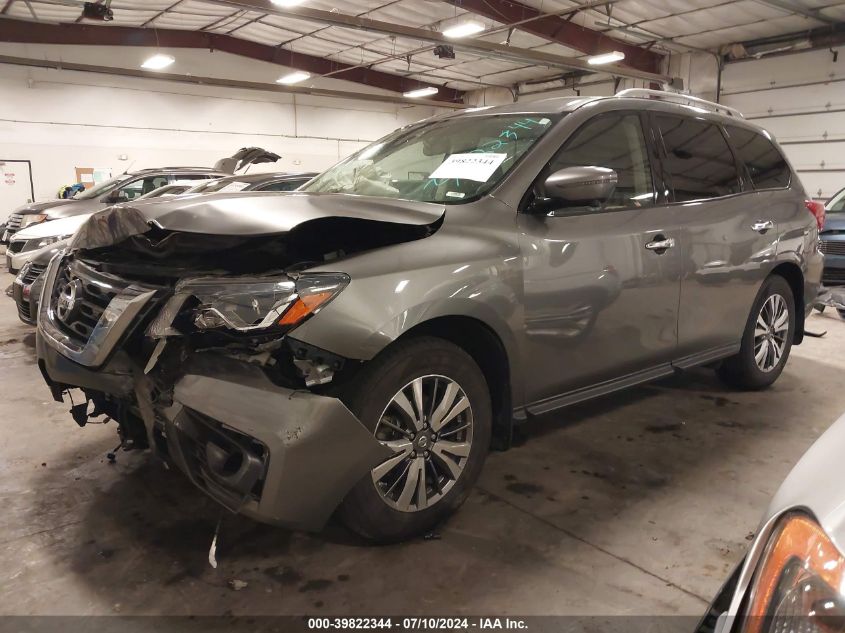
<point x="451" y="161"/>
<point x="102" y="188"/>
<point x="836" y="204"/>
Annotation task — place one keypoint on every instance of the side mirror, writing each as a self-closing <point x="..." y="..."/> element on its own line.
<point x="581" y="185"/>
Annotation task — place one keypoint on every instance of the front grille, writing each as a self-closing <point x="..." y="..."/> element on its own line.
<point x="91" y="298"/>
<point x="17" y="246"/>
<point x="32" y="273"/>
<point x="831" y="247"/>
<point x="833" y="277"/>
<point x="14" y="222"/>
<point x="24" y="312"/>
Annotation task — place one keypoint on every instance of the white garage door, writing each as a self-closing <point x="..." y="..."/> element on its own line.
<point x="15" y="186"/>
<point x="800" y="98"/>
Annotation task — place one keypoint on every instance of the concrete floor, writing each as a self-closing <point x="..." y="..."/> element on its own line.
<point x="640" y="503"/>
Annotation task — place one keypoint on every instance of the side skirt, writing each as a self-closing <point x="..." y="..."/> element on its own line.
<point x="631" y="380"/>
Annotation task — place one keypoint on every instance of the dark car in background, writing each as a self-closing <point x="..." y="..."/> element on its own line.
<point x="833" y="245"/>
<point x="358" y="344"/>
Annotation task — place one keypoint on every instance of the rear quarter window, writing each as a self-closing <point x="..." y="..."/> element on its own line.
<point x="765" y="164"/>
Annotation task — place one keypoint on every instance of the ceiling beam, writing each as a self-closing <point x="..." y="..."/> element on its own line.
<point x="560" y="31"/>
<point x="470" y="45"/>
<point x="790" y="6"/>
<point x="223" y="83"/>
<point x="83" y="34"/>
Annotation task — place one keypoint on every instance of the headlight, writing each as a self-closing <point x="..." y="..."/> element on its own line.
<point x="798" y="585"/>
<point x="34" y="218"/>
<point x="247" y="305"/>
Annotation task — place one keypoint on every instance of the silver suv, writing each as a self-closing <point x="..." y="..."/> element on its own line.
<point x="361" y="343"/>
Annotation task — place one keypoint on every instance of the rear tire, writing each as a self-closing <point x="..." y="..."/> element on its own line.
<point x="424" y="481"/>
<point x="841" y="312"/>
<point x="766" y="341"/>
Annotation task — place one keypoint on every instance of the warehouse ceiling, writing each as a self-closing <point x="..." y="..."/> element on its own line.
<point x="311" y="35"/>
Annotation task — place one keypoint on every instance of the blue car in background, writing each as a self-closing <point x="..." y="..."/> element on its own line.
<point x="833" y="246"/>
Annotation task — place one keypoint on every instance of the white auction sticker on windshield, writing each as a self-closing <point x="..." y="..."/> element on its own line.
<point x="475" y="166"/>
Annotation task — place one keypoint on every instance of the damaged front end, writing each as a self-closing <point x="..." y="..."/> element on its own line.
<point x="187" y="341"/>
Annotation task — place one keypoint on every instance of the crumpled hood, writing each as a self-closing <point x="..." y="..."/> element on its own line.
<point x="246" y="214"/>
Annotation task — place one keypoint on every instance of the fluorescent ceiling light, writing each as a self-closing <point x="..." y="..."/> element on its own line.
<point x="294" y="77"/>
<point x="287" y="3"/>
<point x="463" y="29"/>
<point x="606" y="58"/>
<point x="158" y="61"/>
<point x="422" y="92"/>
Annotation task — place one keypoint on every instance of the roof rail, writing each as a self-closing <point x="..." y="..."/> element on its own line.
<point x="676" y="97"/>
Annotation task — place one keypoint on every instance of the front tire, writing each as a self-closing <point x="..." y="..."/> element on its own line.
<point x="767" y="339"/>
<point x="427" y="400"/>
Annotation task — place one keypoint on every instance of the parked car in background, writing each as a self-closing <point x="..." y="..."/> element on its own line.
<point x="356" y="345"/>
<point x="123" y="188"/>
<point x="833" y="246"/>
<point x="26" y="288"/>
<point x="793" y="575"/>
<point x="128" y="187"/>
<point x="254" y="182"/>
<point x="29" y="242"/>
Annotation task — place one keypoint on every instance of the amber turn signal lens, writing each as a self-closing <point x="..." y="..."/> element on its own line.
<point x="303" y="306"/>
<point x="800" y="576"/>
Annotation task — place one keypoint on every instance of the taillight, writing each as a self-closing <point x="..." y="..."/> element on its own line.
<point x="817" y="209"/>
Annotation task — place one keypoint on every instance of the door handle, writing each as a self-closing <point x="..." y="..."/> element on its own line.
<point x="660" y="244"/>
<point x="761" y="226"/>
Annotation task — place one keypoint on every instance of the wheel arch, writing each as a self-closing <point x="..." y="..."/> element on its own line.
<point x="488" y="350"/>
<point x="792" y="274"/>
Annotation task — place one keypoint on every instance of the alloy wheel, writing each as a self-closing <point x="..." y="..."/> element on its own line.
<point x="770" y="332"/>
<point x="428" y="425"/>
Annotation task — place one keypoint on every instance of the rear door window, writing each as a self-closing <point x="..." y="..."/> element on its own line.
<point x="698" y="162"/>
<point x="766" y="166"/>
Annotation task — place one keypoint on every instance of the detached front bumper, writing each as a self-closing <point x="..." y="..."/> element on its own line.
<point x="281" y="456"/>
<point x="311" y="448"/>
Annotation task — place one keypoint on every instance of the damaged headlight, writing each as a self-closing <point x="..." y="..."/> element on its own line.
<point x="253" y="304"/>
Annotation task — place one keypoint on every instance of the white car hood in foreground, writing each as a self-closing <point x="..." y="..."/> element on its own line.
<point x="814" y="486"/>
<point x="54" y="228"/>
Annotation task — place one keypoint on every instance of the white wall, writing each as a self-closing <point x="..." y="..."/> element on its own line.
<point x="60" y="120"/>
<point x="800" y="99"/>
